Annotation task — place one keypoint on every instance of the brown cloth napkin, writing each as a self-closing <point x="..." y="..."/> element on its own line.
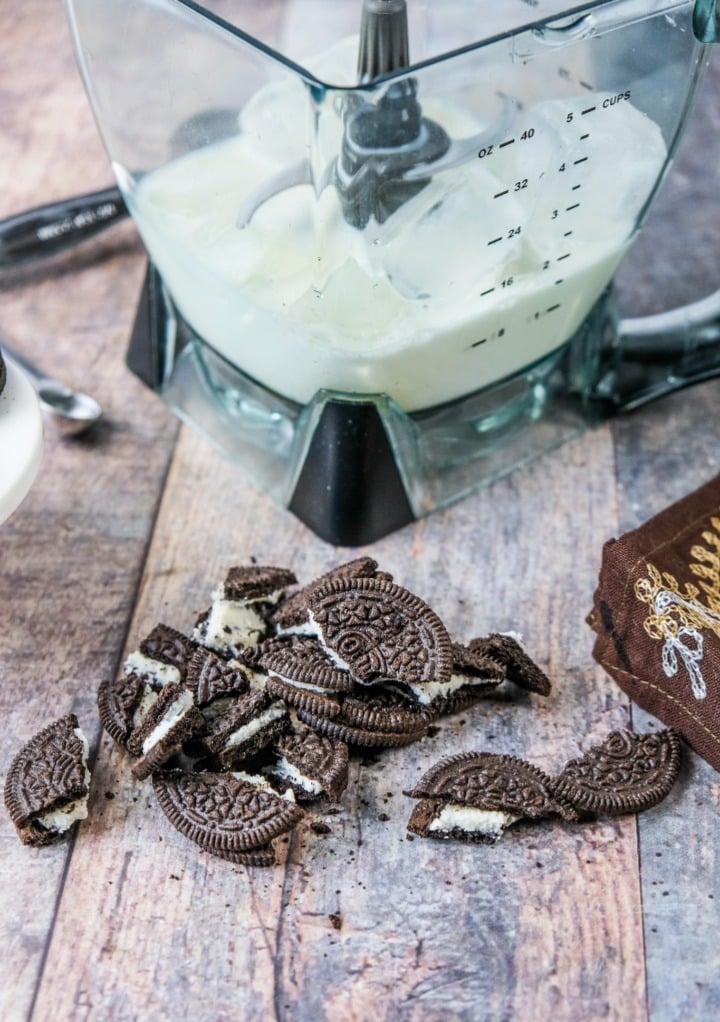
<point x="657" y="617"/>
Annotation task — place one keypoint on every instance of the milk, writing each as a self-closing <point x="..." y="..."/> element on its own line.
<point x="487" y="270"/>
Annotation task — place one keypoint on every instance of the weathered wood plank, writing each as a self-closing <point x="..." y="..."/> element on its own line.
<point x="428" y="930"/>
<point x="70" y="557"/>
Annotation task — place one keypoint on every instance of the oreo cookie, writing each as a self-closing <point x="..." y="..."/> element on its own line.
<point x="382" y="720"/>
<point x="254" y="583"/>
<point x="473" y="677"/>
<point x="224" y="814"/>
<point x="493" y="783"/>
<point x="237" y="616"/>
<point x="48" y="783"/>
<point x="252" y="722"/>
<point x="627" y="773"/>
<point x="214" y="682"/>
<point x="171" y="720"/>
<point x="263" y="856"/>
<point x="291" y="615"/>
<point x="162" y="656"/>
<point x="122" y="704"/>
<point x="311" y="764"/>
<point x="302" y="662"/>
<point x="520" y="669"/>
<point x="380" y="631"/>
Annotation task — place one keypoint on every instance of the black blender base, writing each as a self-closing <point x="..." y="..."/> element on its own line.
<point x="348" y="490"/>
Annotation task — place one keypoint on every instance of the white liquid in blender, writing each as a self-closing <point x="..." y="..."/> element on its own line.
<point x="491" y="267"/>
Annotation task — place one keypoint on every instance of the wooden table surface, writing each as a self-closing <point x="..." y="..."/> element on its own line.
<point x="618" y="919"/>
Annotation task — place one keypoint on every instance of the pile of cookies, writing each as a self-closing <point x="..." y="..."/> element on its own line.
<point x="259" y="708"/>
<point x="256" y="712"/>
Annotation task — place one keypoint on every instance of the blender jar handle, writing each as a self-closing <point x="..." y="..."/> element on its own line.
<point x="650" y="356"/>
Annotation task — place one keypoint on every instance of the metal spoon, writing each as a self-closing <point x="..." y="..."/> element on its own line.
<point x="71" y="411"/>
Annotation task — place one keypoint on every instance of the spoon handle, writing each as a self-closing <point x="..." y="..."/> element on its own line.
<point x="56" y="226"/>
<point x="30" y="369"/>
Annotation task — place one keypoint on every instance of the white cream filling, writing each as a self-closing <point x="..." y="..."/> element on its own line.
<point x="61" y="819"/>
<point x="256" y="679"/>
<point x="426" y="692"/>
<point x="306" y="628"/>
<point x="220" y="594"/>
<point x="263" y="783"/>
<point x="138" y="663"/>
<point x="287" y="772"/>
<point x="148" y="700"/>
<point x="454" y="815"/>
<point x="174" y="713"/>
<point x="301" y="684"/>
<point x="274" y="712"/>
<point x="230" y="625"/>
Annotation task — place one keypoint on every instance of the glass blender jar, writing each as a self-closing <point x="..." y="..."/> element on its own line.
<point x="381" y="236"/>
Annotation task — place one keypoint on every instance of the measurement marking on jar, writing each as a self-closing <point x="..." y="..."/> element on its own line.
<point x="488" y="292"/>
<point x="586" y="85"/>
<point x="583" y="159"/>
<point x="583" y="137"/>
<point x="510" y="141"/>
<point x="560" y="280"/>
<point x="545" y="312"/>
<point x="576" y="188"/>
<point x="495" y="241"/>
<point x="567" y="234"/>
<point x="499" y="195"/>
<point x="490" y="337"/>
<point x="569" y="209"/>
<point x="566" y="256"/>
<point x="589" y="110"/>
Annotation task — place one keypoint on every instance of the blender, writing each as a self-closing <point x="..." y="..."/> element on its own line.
<point x="382" y="236"/>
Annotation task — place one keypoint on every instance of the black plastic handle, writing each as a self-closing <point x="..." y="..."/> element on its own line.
<point x="56" y="226"/>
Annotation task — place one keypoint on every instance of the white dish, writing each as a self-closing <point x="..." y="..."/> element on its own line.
<point x="21" y="439"/>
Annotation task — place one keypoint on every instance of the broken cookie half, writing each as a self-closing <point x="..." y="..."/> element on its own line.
<point x="476" y="796"/>
<point x="48" y="784"/>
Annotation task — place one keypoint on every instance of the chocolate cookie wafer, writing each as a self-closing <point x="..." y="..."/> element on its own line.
<point x="224" y="814"/>
<point x="627" y="773"/>
<point x="380" y="631"/>
<point x="169" y="646"/>
<point x="291" y="616"/>
<point x="252" y="583"/>
<point x="520" y="669"/>
<point x="381" y="720"/>
<point x="48" y="783"/>
<point x="301" y="661"/>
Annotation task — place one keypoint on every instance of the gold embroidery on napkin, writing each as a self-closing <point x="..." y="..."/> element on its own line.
<point x="678" y="616"/>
